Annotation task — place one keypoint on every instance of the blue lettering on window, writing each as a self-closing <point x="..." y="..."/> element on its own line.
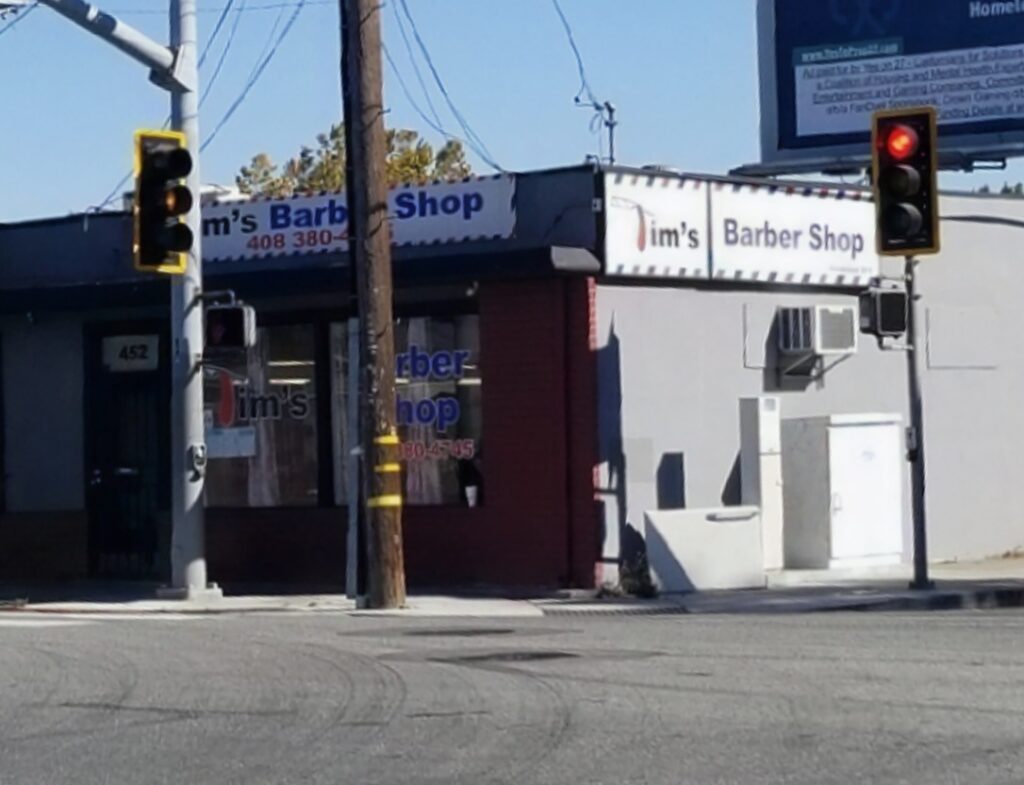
<point x="416" y="364"/>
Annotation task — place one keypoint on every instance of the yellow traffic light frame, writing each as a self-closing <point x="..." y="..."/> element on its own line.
<point x="885" y="114"/>
<point x="179" y="266"/>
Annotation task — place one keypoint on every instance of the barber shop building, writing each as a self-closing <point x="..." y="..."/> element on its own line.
<point x="592" y="363"/>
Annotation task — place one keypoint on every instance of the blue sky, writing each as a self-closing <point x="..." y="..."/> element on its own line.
<point x="682" y="74"/>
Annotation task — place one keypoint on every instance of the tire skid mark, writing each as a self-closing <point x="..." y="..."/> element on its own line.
<point x="556" y="726"/>
<point x="72" y="726"/>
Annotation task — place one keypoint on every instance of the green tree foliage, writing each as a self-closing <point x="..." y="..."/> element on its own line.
<point x="1013" y="190"/>
<point x="322" y="167"/>
<point x="1016" y="191"/>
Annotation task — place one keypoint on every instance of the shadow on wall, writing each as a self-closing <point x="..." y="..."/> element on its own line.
<point x="631" y="560"/>
<point x="671" y="482"/>
<point x="773" y="380"/>
<point x="670" y="572"/>
<point x="732" y="490"/>
<point x="611" y="450"/>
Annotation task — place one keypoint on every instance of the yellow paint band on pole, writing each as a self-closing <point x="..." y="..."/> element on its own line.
<point x="388" y="468"/>
<point x="391" y="438"/>
<point x="390" y="500"/>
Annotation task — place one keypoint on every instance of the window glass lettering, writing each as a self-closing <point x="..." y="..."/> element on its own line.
<point x="438" y="409"/>
<point x="261" y="422"/>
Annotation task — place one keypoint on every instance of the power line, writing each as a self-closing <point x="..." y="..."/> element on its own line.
<point x="18" y="18"/>
<point x="604" y="112"/>
<point x="419" y="110"/>
<point x="216" y="31"/>
<point x="255" y="76"/>
<point x="116" y="190"/>
<point x="220" y="9"/>
<point x="475" y="142"/>
<point x="415" y="67"/>
<point x="584" y="82"/>
<point x="267" y="44"/>
<point x="208" y="85"/>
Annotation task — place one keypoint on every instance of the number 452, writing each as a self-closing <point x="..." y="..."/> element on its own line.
<point x="137" y="351"/>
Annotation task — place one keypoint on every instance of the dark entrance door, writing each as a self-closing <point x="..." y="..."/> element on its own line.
<point x="127" y="451"/>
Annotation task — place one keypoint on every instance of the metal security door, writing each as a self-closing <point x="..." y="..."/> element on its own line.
<point x="127" y="468"/>
<point x="864" y="462"/>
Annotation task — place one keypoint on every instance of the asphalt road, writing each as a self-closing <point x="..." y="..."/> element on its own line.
<point x="277" y="698"/>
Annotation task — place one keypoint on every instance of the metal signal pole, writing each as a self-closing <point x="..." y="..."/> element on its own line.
<point x="175" y="69"/>
<point x="188" y="438"/>
<point x="370" y="239"/>
<point x="915" y="440"/>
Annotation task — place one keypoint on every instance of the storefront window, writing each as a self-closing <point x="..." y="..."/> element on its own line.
<point x="438" y="407"/>
<point x="261" y="422"/>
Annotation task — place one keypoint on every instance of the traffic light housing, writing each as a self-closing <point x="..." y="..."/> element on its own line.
<point x="230" y="327"/>
<point x="161" y="238"/>
<point x="884" y="313"/>
<point x="904" y="145"/>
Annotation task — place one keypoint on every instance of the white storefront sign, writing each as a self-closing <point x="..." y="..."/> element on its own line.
<point x="656" y="226"/>
<point x="793" y="236"/>
<point x="681" y="227"/>
<point x="474" y="209"/>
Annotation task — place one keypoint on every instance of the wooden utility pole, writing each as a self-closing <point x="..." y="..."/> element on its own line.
<point x="370" y="240"/>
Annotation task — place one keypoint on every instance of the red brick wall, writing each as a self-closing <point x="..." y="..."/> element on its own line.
<point x="538" y="525"/>
<point x="519" y="536"/>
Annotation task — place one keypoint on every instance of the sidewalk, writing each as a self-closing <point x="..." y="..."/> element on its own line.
<point x="132" y="600"/>
<point x="990" y="584"/>
<point x="816" y="599"/>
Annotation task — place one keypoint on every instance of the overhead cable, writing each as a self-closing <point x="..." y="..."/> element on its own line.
<point x="216" y="31"/>
<point x="473" y="139"/>
<point x="415" y="66"/>
<point x="207" y="85"/>
<point x="19" y="16"/>
<point x="254" y="78"/>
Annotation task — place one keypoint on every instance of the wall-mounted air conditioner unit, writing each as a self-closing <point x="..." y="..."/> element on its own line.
<point x="818" y="330"/>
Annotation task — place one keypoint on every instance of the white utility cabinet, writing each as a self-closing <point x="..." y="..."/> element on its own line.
<point x="842" y="490"/>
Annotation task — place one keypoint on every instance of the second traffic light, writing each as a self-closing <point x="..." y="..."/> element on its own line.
<point x="161" y="237"/>
<point x="905" y="159"/>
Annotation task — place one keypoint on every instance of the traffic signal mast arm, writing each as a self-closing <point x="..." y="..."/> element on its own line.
<point x="164" y="63"/>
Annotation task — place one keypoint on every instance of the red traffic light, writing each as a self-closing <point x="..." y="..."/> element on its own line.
<point x="902" y="142"/>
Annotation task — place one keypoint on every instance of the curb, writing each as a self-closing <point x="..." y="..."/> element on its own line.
<point x="939" y="600"/>
<point x="942" y="600"/>
<point x="675" y="610"/>
<point x="28" y="609"/>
